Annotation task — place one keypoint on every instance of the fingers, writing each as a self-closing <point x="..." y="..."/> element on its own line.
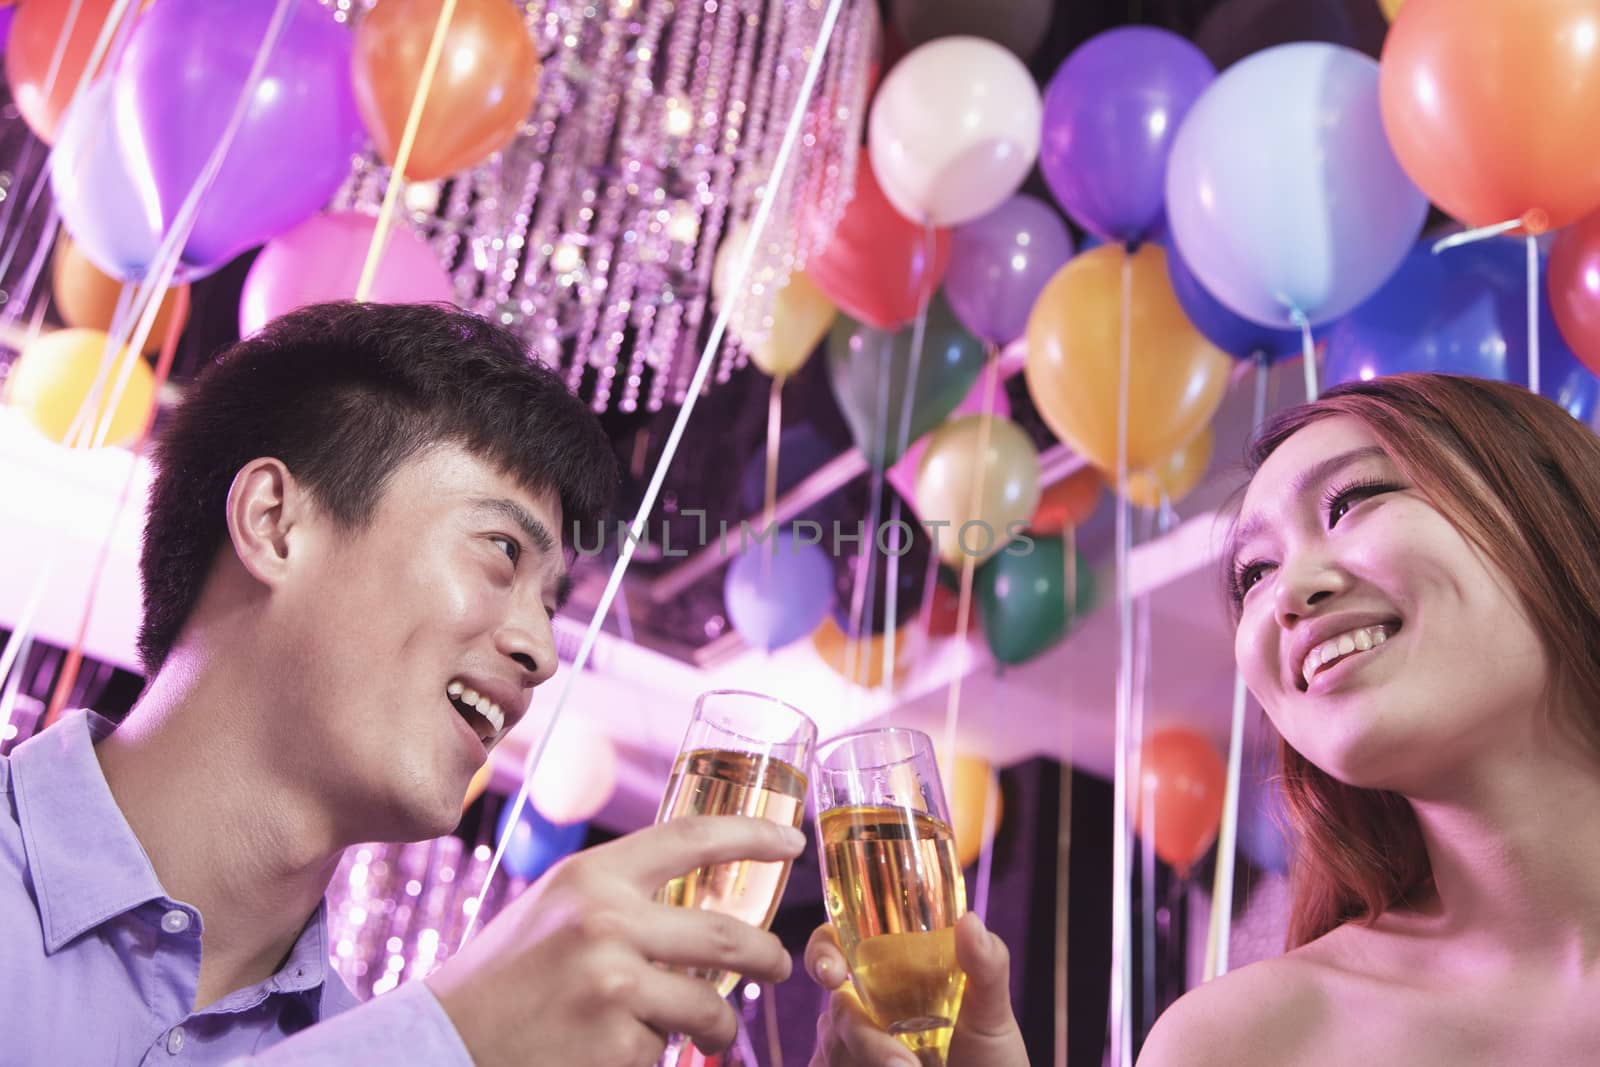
<point x="657" y="854"/>
<point x="671" y="1002"/>
<point x="825" y="960"/>
<point x="847" y="1037"/>
<point x="688" y="937"/>
<point x="986" y="1004"/>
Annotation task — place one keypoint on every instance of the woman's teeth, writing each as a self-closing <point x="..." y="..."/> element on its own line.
<point x="465" y="697"/>
<point x="1336" y="648"/>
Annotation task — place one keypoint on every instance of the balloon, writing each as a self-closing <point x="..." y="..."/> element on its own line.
<point x="52" y="378"/>
<point x="944" y="614"/>
<point x="1000" y="262"/>
<point x="1463" y="311"/>
<point x="1017" y="25"/>
<point x="39" y="29"/>
<point x="7" y="17"/>
<point x="912" y="546"/>
<point x="1022" y="599"/>
<point x="971" y="781"/>
<point x="1490" y="107"/>
<point x="857" y="359"/>
<point x="1391" y="8"/>
<point x="1173" y="477"/>
<point x="176" y="90"/>
<point x="480" y="782"/>
<point x="536" y="843"/>
<point x="1182" y="780"/>
<point x="878" y="266"/>
<point x="1176" y="378"/>
<point x="482" y="90"/>
<point x="1262" y="822"/>
<point x="774" y="601"/>
<point x="1110" y="115"/>
<point x="799" y="318"/>
<point x="321" y="259"/>
<point x="1239" y="337"/>
<point x="834" y="648"/>
<point x="948" y="477"/>
<point x="903" y="475"/>
<point x="801" y="451"/>
<point x="1283" y="193"/>
<point x="86" y="296"/>
<point x="95" y="192"/>
<point x="1572" y="287"/>
<point x="1068" y="502"/>
<point x="954" y="130"/>
<point x="1235" y="29"/>
<point x="577" y="773"/>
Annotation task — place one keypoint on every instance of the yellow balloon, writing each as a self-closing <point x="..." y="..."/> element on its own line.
<point x="948" y="474"/>
<point x="800" y="315"/>
<point x="1176" y="377"/>
<point x="1174" y="476"/>
<point x="1391" y="8"/>
<point x="52" y="378"/>
<point x="479" y="783"/>
<point x="867" y="667"/>
<point x="970" y="779"/>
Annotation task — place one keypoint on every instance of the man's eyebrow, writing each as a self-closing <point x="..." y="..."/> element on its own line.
<point x="531" y="527"/>
<point x="1315" y="474"/>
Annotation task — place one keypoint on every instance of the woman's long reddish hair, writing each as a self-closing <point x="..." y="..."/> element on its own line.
<point x="1520" y="478"/>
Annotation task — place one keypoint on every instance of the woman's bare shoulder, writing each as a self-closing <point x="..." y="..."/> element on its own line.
<point x="1267" y="1013"/>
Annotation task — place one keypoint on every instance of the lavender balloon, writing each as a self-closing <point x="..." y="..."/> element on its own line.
<point x="177" y="87"/>
<point x="1110" y="116"/>
<point x="1000" y="263"/>
<point x="773" y="603"/>
<point x="98" y="201"/>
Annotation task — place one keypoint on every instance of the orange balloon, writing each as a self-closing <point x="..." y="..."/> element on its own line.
<point x="1490" y="107"/>
<point x="1182" y="781"/>
<point x="485" y="84"/>
<point x="1173" y="477"/>
<point x="1176" y="377"/>
<point x="970" y="778"/>
<point x="37" y="30"/>
<point x="480" y="782"/>
<point x="86" y="296"/>
<point x="1391" y="8"/>
<point x="1068" y="502"/>
<point x="834" y="648"/>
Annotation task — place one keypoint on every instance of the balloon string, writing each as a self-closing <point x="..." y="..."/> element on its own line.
<point x="1482" y="233"/>
<point x="1308" y="351"/>
<point x="1063" y="901"/>
<point x="1121" y="902"/>
<point x="1533" y="313"/>
<point x="77" y="435"/>
<point x="12" y="683"/>
<point x="952" y="708"/>
<point x="769" y="504"/>
<point x="1220" y="927"/>
<point x="769" y="1010"/>
<point x="1147" y="837"/>
<point x="708" y="353"/>
<point x="402" y="155"/>
<point x="863" y="596"/>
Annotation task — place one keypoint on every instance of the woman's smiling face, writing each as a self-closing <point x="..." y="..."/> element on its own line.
<point x="1385" y="647"/>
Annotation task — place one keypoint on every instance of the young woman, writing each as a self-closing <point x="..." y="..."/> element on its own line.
<point x="1417" y="599"/>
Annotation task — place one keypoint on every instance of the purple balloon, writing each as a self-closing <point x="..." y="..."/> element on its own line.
<point x="1110" y="115"/>
<point x="1000" y="263"/>
<point x="177" y="86"/>
<point x="773" y="603"/>
<point x="1235" y="335"/>
<point x="5" y="25"/>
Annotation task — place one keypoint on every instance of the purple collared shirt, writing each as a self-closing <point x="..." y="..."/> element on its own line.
<point x="99" y="965"/>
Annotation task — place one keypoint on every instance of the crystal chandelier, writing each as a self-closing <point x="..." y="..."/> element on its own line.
<point x="595" y="232"/>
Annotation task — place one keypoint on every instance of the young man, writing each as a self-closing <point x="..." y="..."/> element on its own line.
<point x="351" y="556"/>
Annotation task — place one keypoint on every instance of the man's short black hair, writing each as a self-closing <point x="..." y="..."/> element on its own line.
<point x="343" y="394"/>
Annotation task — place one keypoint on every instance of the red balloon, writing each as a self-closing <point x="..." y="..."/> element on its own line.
<point x="42" y="78"/>
<point x="1572" y="280"/>
<point x="1068" y="502"/>
<point x="945" y="612"/>
<point x="879" y="266"/>
<point x="1180" y="795"/>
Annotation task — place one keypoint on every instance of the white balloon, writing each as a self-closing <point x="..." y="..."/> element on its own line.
<point x="577" y="773"/>
<point x="954" y="130"/>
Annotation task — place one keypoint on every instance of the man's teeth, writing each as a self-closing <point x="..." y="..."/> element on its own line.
<point x="1362" y="640"/>
<point x="462" y="693"/>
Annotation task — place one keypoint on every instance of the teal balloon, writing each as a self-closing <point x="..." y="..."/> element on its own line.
<point x="1022" y="599"/>
<point x="858" y="356"/>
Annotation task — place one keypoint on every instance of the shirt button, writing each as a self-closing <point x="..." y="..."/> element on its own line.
<point x="175" y="1040"/>
<point x="175" y="921"/>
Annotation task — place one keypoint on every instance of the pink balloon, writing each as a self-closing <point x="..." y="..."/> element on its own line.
<point x="903" y="475"/>
<point x="321" y="259"/>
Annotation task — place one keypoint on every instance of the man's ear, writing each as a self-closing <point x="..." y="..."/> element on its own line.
<point x="265" y="504"/>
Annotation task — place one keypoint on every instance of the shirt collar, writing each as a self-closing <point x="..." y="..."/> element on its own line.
<point x="84" y="860"/>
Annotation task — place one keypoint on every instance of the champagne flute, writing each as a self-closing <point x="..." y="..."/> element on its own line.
<point x="743" y="754"/>
<point x="892" y="883"/>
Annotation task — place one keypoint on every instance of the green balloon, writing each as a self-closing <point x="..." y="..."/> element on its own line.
<point x="1022" y="600"/>
<point x="857" y="357"/>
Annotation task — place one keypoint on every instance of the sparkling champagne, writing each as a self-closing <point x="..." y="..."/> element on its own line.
<point x="723" y="782"/>
<point x="894" y="893"/>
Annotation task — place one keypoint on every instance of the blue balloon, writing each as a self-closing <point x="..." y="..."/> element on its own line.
<point x="774" y="602"/>
<point x="1234" y="334"/>
<point x="537" y="844"/>
<point x="1461" y="311"/>
<point x="801" y="450"/>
